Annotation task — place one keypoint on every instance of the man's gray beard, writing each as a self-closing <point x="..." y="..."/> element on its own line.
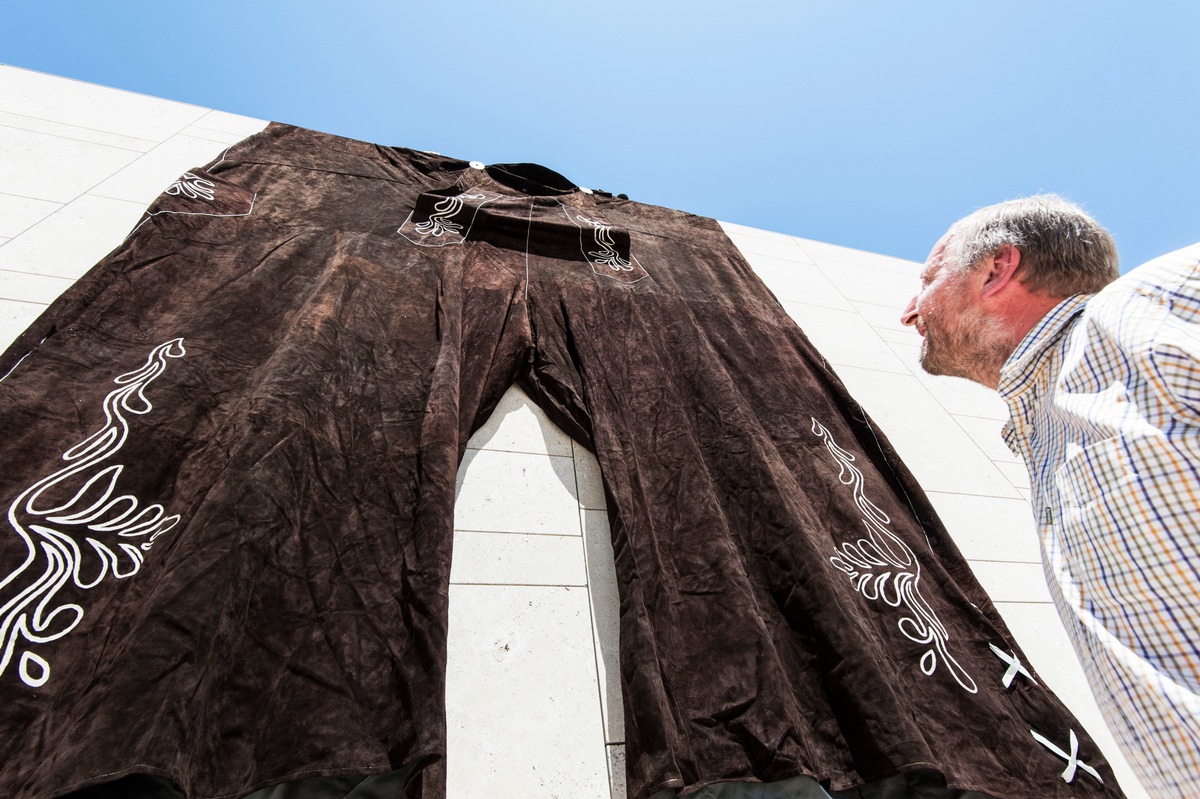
<point x="978" y="354"/>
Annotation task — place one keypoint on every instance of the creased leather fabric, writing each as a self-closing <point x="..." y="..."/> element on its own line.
<point x="229" y="465"/>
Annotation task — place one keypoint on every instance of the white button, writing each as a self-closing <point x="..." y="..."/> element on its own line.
<point x="476" y="165"/>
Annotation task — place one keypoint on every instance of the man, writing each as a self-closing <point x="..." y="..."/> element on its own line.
<point x="1102" y="380"/>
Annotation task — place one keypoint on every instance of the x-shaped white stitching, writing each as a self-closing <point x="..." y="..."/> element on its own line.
<point x="1073" y="761"/>
<point x="1014" y="666"/>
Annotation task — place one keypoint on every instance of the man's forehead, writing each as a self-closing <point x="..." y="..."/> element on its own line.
<point x="938" y="252"/>
<point x="936" y="259"/>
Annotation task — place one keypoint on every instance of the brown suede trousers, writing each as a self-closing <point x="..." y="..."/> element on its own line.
<point x="229" y="457"/>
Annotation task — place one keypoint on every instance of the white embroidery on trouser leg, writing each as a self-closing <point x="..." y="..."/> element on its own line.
<point x="31" y="617"/>
<point x="1073" y="761"/>
<point x="1014" y="666"/>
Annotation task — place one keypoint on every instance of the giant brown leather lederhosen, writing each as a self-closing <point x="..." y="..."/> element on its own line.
<point x="229" y="470"/>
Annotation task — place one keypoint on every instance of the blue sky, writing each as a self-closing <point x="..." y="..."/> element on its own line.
<point x="868" y="124"/>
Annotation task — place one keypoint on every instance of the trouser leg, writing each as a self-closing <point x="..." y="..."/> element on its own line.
<point x="243" y="574"/>
<point x="789" y="603"/>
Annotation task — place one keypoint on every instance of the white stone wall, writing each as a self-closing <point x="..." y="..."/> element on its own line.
<point x="533" y="697"/>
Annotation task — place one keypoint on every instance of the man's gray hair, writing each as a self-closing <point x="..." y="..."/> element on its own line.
<point x="1063" y="250"/>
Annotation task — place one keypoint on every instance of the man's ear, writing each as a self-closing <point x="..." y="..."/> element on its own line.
<point x="1001" y="271"/>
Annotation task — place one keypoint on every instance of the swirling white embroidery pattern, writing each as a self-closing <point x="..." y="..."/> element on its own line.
<point x="194" y="187"/>
<point x="439" y="221"/>
<point x="607" y="255"/>
<point x="30" y="615"/>
<point x="882" y="567"/>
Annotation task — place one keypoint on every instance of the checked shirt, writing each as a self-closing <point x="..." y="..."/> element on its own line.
<point x="1104" y="402"/>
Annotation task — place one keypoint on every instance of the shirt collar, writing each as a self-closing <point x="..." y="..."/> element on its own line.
<point x="1021" y="365"/>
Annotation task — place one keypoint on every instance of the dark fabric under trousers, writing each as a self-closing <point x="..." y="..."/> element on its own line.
<point x="230" y="456"/>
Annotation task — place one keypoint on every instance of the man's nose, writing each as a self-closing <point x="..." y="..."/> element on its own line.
<point x="909" y="316"/>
